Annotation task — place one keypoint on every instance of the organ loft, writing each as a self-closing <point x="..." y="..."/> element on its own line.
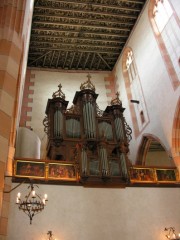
<point x="95" y="141"/>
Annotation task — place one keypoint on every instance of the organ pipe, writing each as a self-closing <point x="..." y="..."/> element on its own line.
<point x="123" y="165"/>
<point x="119" y="129"/>
<point x="84" y="161"/>
<point x="104" y="161"/>
<point x="58" y="123"/>
<point x="89" y="120"/>
<point x="73" y="128"/>
<point x="106" y="129"/>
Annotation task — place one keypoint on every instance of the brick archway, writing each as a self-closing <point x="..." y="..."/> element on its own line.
<point x="144" y="148"/>
<point x="176" y="136"/>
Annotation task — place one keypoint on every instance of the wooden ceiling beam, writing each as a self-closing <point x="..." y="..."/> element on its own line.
<point x="87" y="11"/>
<point x="77" y="43"/>
<point x="85" y="62"/>
<point x="73" y="38"/>
<point x="72" y="60"/>
<point x="75" y="46"/>
<point x="80" y="25"/>
<point x="58" y="59"/>
<point x="104" y="60"/>
<point x="79" y="60"/>
<point x="81" y="19"/>
<point x="71" y="50"/>
<point x="52" y="57"/>
<point x="65" y="59"/>
<point x="77" y="31"/>
<point x="129" y="1"/>
<point x="132" y="1"/>
<point x="100" y="5"/>
<point x="92" y="60"/>
<point x="97" y="67"/>
<point x="41" y="56"/>
<point x="44" y="60"/>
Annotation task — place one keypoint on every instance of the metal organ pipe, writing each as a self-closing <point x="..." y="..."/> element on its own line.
<point x="73" y="128"/>
<point x="119" y="129"/>
<point x="107" y="129"/>
<point x="58" y="123"/>
<point x="104" y="160"/>
<point x="89" y="120"/>
<point x="84" y="161"/>
<point x="123" y="165"/>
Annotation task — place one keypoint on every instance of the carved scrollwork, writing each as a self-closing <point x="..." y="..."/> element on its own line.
<point x="128" y="131"/>
<point x="46" y="125"/>
<point x="99" y="111"/>
<point x="74" y="109"/>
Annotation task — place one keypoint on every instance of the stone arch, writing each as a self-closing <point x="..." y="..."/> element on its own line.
<point x="176" y="135"/>
<point x="151" y="149"/>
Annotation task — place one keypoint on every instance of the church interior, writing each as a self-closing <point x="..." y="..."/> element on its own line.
<point x="89" y="119"/>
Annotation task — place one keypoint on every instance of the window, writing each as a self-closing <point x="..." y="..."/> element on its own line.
<point x="167" y="32"/>
<point x="136" y="90"/>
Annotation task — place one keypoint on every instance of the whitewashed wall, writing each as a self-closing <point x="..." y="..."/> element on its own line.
<point x="98" y="214"/>
<point x="28" y="144"/>
<point x="160" y="97"/>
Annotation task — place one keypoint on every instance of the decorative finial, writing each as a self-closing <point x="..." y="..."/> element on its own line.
<point x="88" y="84"/>
<point x="59" y="93"/>
<point x="116" y="101"/>
<point x="89" y="77"/>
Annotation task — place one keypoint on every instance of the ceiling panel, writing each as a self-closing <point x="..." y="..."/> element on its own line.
<point x="81" y="34"/>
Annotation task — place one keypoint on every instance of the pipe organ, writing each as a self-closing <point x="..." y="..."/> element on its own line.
<point x="95" y="141"/>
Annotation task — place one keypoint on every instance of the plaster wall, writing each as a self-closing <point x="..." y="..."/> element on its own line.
<point x="28" y="144"/>
<point x="159" y="158"/>
<point x="160" y="97"/>
<point x="97" y="213"/>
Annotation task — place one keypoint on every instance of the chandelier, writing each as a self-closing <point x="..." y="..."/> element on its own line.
<point x="171" y="233"/>
<point x="32" y="204"/>
<point x="50" y="235"/>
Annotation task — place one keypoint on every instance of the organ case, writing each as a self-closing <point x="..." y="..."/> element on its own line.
<point x="96" y="141"/>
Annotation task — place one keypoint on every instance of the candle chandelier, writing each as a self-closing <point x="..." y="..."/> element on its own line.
<point x="50" y="235"/>
<point x="32" y="204"/>
<point x="171" y="233"/>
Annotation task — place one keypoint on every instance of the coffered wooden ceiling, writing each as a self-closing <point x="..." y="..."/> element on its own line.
<point x="81" y="34"/>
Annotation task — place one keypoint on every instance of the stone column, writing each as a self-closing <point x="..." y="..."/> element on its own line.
<point x="13" y="44"/>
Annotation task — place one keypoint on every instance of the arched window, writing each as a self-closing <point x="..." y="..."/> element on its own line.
<point x="165" y="24"/>
<point x="134" y="92"/>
